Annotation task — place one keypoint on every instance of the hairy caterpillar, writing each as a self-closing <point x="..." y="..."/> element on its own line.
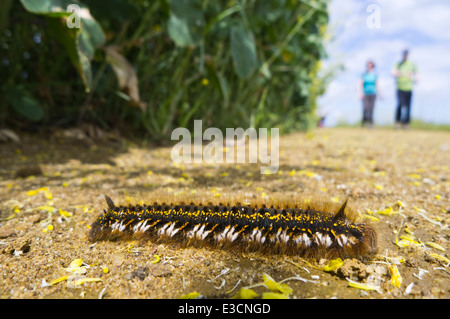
<point x="305" y="232"/>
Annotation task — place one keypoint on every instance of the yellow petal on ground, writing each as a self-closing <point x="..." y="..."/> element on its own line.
<point x="333" y="265"/>
<point x="156" y="260"/>
<point x="372" y="218"/>
<point x="32" y="193"/>
<point x="245" y="293"/>
<point x="46" y="208"/>
<point x="387" y="211"/>
<point x="410" y="239"/>
<point x="191" y="295"/>
<point x="362" y="286"/>
<point x="400" y="203"/>
<point x="76" y="263"/>
<point x="84" y="280"/>
<point x="105" y="270"/>
<point x="270" y="283"/>
<point x="274" y="295"/>
<point x="437" y="256"/>
<point x="310" y="174"/>
<point x="396" y="279"/>
<point x="64" y="213"/>
<point x="55" y="281"/>
<point x="409" y="232"/>
<point x="435" y="246"/>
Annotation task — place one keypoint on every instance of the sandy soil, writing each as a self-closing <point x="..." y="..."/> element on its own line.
<point x="51" y="190"/>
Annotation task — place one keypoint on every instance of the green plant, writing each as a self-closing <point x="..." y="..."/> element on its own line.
<point x="236" y="63"/>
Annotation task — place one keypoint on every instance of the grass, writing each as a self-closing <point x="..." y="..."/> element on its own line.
<point x="415" y="124"/>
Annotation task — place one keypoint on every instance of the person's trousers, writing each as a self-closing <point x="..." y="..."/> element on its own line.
<point x="404" y="107"/>
<point x="368" y="106"/>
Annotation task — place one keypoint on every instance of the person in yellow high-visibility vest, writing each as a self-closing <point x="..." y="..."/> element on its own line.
<point x="406" y="74"/>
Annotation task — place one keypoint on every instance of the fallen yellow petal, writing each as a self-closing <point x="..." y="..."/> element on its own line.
<point x="245" y="293"/>
<point x="76" y="263"/>
<point x="400" y="203"/>
<point x="386" y="211"/>
<point x="437" y="256"/>
<point x="333" y="265"/>
<point x="410" y="239"/>
<point x="270" y="283"/>
<point x="191" y="295"/>
<point x="84" y="280"/>
<point x="156" y="260"/>
<point x="46" y="208"/>
<point x="396" y="279"/>
<point x="372" y="218"/>
<point x="64" y="213"/>
<point x="53" y="282"/>
<point x="362" y="286"/>
<point x="434" y="245"/>
<point x="274" y="295"/>
<point x="32" y="193"/>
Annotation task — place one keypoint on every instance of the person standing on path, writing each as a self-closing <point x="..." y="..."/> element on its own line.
<point x="367" y="90"/>
<point x="405" y="73"/>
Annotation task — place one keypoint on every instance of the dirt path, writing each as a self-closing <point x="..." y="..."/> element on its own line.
<point x="51" y="191"/>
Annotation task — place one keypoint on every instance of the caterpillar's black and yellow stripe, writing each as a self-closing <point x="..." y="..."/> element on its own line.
<point x="280" y="230"/>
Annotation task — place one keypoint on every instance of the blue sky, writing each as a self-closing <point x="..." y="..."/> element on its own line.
<point x="422" y="26"/>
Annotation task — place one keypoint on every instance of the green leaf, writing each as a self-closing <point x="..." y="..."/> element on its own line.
<point x="179" y="31"/>
<point x="243" y="51"/>
<point x="24" y="104"/>
<point x="186" y="22"/>
<point x="77" y="31"/>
